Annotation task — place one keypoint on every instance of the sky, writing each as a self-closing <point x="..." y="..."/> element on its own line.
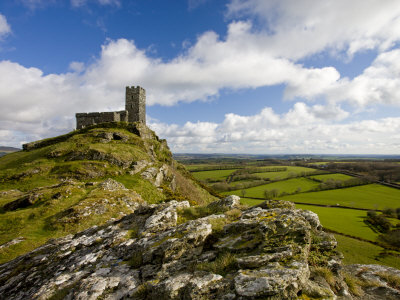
<point x="234" y="76"/>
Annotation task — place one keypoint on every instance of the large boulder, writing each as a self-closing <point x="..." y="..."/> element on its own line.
<point x="272" y="251"/>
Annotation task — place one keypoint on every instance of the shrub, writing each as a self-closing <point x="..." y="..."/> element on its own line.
<point x="379" y="222"/>
<point x="390" y="212"/>
<point x="392" y="238"/>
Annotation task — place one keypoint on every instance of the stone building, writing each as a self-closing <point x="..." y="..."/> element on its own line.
<point x="135" y="110"/>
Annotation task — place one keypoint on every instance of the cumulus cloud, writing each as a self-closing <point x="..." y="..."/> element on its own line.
<point x="5" y="28"/>
<point x="296" y="29"/>
<point x="209" y="66"/>
<point x="378" y="84"/>
<point x="300" y="130"/>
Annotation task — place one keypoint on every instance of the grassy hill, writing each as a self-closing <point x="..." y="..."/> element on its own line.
<point x="69" y="183"/>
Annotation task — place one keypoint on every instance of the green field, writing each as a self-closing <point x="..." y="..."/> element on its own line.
<point x="347" y="221"/>
<point x="360" y="252"/>
<point x="288" y="186"/>
<point x="336" y="176"/>
<point x="195" y="167"/>
<point x="291" y="170"/>
<point x="371" y="196"/>
<point x="215" y="174"/>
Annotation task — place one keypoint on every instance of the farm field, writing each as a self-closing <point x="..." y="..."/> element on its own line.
<point x="347" y="221"/>
<point x="198" y="166"/>
<point x="215" y="174"/>
<point x="371" y="196"/>
<point x="284" y="174"/>
<point x="361" y="252"/>
<point x="288" y="186"/>
<point x="335" y="176"/>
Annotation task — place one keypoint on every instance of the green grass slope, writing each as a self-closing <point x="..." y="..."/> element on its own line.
<point x="347" y="221"/>
<point x="87" y="177"/>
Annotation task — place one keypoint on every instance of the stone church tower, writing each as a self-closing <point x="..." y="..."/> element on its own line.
<point x="135" y="104"/>
<point x="135" y="110"/>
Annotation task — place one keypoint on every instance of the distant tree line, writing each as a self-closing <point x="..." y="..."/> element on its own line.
<point x="252" y="170"/>
<point x="216" y="168"/>
<point x="331" y="184"/>
<point x="225" y="187"/>
<point x="374" y="171"/>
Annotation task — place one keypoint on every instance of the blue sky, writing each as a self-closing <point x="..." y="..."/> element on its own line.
<point x="234" y="76"/>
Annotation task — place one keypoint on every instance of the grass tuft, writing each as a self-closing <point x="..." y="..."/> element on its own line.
<point x="222" y="265"/>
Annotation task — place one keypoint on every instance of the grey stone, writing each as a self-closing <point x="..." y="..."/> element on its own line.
<point x="229" y="202"/>
<point x="264" y="254"/>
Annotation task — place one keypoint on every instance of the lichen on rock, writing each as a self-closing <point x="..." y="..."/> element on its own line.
<point x="272" y="251"/>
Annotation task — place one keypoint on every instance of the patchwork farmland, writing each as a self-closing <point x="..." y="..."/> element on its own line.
<point x="341" y="201"/>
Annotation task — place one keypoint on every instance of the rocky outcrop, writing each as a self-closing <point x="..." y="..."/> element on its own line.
<point x="271" y="251"/>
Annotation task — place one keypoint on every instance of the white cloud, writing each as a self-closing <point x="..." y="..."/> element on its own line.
<point x="77" y="66"/>
<point x="210" y="65"/>
<point x="298" y="131"/>
<point x="378" y="84"/>
<point x="296" y="29"/>
<point x="5" y="28"/>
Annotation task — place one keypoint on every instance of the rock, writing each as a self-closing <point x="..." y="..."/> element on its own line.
<point x="139" y="166"/>
<point x="156" y="176"/>
<point x="149" y="173"/>
<point x="22" y="202"/>
<point x="272" y="280"/>
<point x="165" y="216"/>
<point x="229" y="202"/>
<point x="379" y="282"/>
<point x="264" y="253"/>
<point x="256" y="261"/>
<point x="12" y="242"/>
<point x="111" y="185"/>
<point x="268" y="204"/>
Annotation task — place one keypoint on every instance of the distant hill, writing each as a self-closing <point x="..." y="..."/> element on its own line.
<point x="4" y="150"/>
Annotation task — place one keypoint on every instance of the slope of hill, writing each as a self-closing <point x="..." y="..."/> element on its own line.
<point x="69" y="183"/>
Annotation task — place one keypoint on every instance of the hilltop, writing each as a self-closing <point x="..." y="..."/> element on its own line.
<point x="69" y="183"/>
